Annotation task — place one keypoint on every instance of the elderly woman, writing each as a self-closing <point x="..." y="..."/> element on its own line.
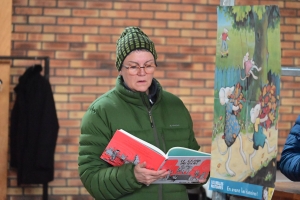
<point x="140" y="106"/>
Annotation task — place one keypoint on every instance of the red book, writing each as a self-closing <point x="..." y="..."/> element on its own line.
<point x="185" y="165"/>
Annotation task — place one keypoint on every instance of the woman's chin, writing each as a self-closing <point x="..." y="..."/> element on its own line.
<point x="142" y="89"/>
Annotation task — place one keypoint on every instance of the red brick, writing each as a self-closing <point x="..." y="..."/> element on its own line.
<point x="41" y="53"/>
<point x="69" y="38"/>
<point x="153" y="6"/>
<point x="57" y="11"/>
<point x="82" y="98"/>
<point x="113" y="13"/>
<point x="83" y="63"/>
<point x="96" y="56"/>
<point x="292" y="4"/>
<point x="40" y="37"/>
<point x="68" y="72"/>
<point x="56" y="29"/>
<point x="83" y="47"/>
<point x="19" y="19"/>
<point x="71" y="4"/>
<point x="178" y="58"/>
<point x="28" y="11"/>
<point x="125" y="22"/>
<point x="19" y="36"/>
<point x="178" y="91"/>
<point x="205" y="9"/>
<point x="107" y="47"/>
<point x="67" y="106"/>
<point x="95" y="89"/>
<point x="70" y="20"/>
<point x="20" y="2"/>
<point x="55" y="46"/>
<point x="68" y="55"/>
<point x="156" y="23"/>
<point x="195" y="16"/>
<point x="191" y="50"/>
<point x="147" y="15"/>
<point x="97" y="38"/>
<point x="99" y="4"/>
<point x="27" y="45"/>
<point x="85" y="12"/>
<point x="179" y="74"/>
<point x="181" y="24"/>
<point x="48" y="3"/>
<point x="192" y="33"/>
<point x="42" y="20"/>
<point x="167" y="15"/>
<point x="28" y="28"/>
<point x="76" y="115"/>
<point x="98" y="21"/>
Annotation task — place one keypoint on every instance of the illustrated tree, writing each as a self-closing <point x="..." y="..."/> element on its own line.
<point x="257" y="20"/>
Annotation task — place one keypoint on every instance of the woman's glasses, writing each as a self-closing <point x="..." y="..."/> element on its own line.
<point x="135" y="69"/>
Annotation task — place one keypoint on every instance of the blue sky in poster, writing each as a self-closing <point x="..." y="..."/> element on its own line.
<point x="222" y="21"/>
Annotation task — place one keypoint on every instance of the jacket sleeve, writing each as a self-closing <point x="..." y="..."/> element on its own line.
<point x="290" y="156"/>
<point x="101" y="180"/>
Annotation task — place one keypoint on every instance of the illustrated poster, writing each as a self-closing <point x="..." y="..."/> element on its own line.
<point x="246" y="105"/>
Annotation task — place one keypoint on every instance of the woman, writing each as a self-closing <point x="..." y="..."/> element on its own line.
<point x="140" y="106"/>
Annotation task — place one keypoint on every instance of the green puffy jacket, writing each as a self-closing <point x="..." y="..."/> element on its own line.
<point x="166" y="124"/>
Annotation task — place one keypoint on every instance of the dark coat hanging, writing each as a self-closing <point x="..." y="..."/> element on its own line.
<point x="33" y="129"/>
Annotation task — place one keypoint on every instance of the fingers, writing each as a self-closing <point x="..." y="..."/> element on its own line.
<point x="147" y="176"/>
<point x="203" y="181"/>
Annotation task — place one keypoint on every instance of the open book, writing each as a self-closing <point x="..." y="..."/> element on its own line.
<point x="185" y="165"/>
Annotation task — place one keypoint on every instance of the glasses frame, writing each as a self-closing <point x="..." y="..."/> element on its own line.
<point x="138" y="68"/>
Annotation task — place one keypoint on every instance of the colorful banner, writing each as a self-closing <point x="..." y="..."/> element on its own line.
<point x="246" y="106"/>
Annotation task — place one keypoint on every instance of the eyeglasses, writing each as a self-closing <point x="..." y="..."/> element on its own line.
<point x="133" y="70"/>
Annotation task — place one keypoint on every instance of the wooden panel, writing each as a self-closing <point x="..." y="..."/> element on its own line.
<point x="287" y="190"/>
<point x="4" y="107"/>
<point x="5" y="49"/>
<point x="5" y="24"/>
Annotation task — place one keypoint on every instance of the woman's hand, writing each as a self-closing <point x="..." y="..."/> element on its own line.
<point x="147" y="176"/>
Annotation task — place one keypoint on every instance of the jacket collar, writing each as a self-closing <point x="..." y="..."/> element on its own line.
<point x="139" y="98"/>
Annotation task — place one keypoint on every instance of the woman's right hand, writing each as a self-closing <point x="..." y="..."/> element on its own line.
<point x="147" y="176"/>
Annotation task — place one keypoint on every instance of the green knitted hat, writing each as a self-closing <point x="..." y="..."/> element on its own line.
<point x="131" y="39"/>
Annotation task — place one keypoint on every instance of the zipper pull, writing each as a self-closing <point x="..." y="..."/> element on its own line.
<point x="151" y="121"/>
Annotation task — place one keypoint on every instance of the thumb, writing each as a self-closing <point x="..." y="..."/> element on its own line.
<point x="142" y="165"/>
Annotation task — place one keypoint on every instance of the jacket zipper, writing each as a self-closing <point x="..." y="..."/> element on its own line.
<point x="160" y="189"/>
<point x="150" y="117"/>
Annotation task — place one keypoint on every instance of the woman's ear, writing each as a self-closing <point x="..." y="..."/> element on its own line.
<point x="120" y="73"/>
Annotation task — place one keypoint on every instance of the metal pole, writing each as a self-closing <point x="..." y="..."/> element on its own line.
<point x="226" y="2"/>
<point x="290" y="71"/>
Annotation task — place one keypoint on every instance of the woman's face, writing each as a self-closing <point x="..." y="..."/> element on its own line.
<point x="141" y="80"/>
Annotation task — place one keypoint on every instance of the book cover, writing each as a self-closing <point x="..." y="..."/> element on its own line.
<point x="185" y="165"/>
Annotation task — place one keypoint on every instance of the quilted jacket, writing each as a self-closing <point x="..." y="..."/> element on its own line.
<point x="165" y="124"/>
<point x="290" y="156"/>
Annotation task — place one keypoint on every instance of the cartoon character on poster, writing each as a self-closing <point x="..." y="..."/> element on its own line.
<point x="247" y="93"/>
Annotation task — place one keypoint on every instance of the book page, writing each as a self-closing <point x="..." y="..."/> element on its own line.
<point x="181" y="151"/>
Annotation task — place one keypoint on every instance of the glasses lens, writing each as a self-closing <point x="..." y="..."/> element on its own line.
<point x="133" y="70"/>
<point x="149" y="69"/>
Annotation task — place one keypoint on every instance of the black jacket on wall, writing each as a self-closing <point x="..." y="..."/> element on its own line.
<point x="33" y="129"/>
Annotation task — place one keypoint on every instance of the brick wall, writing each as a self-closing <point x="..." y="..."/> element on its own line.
<point x="79" y="37"/>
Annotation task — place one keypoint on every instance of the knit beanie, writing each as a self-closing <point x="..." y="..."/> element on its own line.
<point x="131" y="39"/>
